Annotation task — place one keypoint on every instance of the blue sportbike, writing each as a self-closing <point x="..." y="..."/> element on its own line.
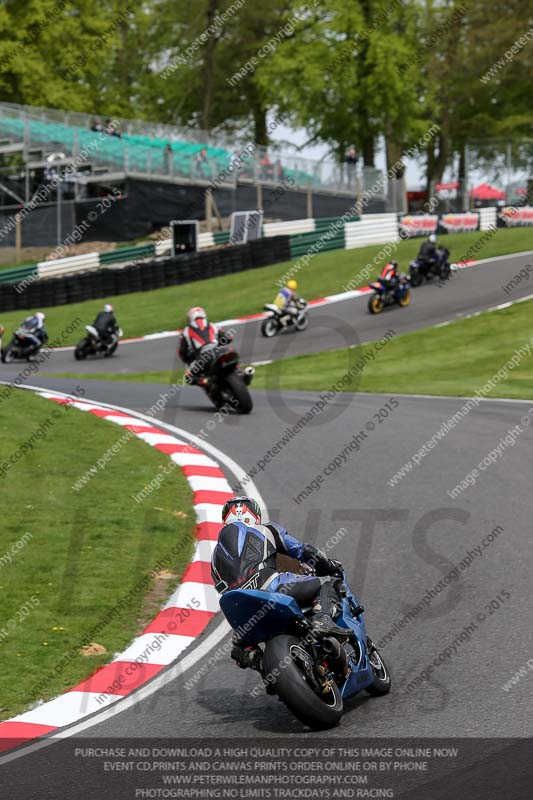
<point x="312" y="674"/>
<point x="383" y="295"/>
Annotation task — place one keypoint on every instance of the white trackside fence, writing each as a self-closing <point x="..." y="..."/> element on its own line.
<point x="340" y="232"/>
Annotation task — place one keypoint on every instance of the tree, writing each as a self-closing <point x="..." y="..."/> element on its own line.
<point x="337" y="77"/>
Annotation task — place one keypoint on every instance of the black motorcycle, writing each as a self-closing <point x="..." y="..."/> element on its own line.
<point x="278" y="319"/>
<point x="227" y="383"/>
<point x="439" y="267"/>
<point x="24" y="344"/>
<point x="94" y="345"/>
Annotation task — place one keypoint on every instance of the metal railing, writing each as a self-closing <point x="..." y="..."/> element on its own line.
<point x="191" y="157"/>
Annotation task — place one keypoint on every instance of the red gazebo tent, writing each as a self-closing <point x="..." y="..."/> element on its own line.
<point x="486" y="192"/>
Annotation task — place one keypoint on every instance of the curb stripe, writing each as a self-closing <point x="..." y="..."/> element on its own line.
<point x="207" y="531"/>
<point x="103" y="679"/>
<point x="199" y="571"/>
<point x="184" y="621"/>
<point x="186" y="614"/>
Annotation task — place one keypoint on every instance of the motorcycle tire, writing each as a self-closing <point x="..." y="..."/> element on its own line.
<point x="416" y="278"/>
<point x="445" y="271"/>
<point x="109" y="352"/>
<point x="376" y="304"/>
<point x="405" y="300"/>
<point x="7" y="354"/>
<point x="240" y="393"/>
<point x="82" y="350"/>
<point x="291" y="684"/>
<point x="302" y="322"/>
<point x="269" y="327"/>
<point x="382" y="677"/>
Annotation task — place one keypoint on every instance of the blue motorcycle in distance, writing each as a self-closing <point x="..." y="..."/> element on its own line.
<point x="311" y="674"/>
<point x="384" y="296"/>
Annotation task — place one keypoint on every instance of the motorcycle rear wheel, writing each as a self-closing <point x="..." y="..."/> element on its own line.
<point x="82" y="349"/>
<point x="283" y="666"/>
<point x="240" y="392"/>
<point x="269" y="327"/>
<point x="376" y="304"/>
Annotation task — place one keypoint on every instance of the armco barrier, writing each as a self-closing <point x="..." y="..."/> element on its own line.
<point x="328" y="234"/>
<point x="289" y="228"/>
<point x="155" y="274"/>
<point x="372" y="229"/>
<point x="56" y="267"/>
<point x="18" y="274"/>
<point x="127" y="253"/>
<point x="487" y="218"/>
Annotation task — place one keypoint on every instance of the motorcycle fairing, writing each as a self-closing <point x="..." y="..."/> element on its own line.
<point x="259" y="615"/>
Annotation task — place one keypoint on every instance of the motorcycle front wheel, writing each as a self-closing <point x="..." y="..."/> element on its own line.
<point x="445" y="271"/>
<point x="8" y="354"/>
<point x="382" y="678"/>
<point x="269" y="327"/>
<point x="416" y="278"/>
<point x="109" y="352"/>
<point x="289" y="668"/>
<point x="240" y="393"/>
<point x="405" y="300"/>
<point x="302" y="322"/>
<point x="376" y="304"/>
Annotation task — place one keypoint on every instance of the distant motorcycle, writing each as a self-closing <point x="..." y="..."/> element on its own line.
<point x="227" y="382"/>
<point x="311" y="675"/>
<point x="94" y="345"/>
<point x="440" y="268"/>
<point x="278" y="319"/>
<point x="384" y="296"/>
<point x="24" y="344"/>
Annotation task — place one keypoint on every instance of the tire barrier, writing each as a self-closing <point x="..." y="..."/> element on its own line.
<point x="144" y="277"/>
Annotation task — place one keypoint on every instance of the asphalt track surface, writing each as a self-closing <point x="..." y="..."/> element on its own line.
<point x="399" y="543"/>
<point x="332" y="326"/>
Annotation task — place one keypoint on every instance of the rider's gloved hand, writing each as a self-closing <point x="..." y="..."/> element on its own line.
<point x="335" y="568"/>
<point x="327" y="566"/>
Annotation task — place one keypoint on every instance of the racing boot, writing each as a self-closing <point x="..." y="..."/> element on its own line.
<point x="322" y="625"/>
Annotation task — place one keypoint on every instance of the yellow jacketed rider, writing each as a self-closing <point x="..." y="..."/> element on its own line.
<point x="287" y="300"/>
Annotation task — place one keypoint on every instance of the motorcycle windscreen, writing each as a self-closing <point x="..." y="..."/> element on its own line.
<point x="258" y="616"/>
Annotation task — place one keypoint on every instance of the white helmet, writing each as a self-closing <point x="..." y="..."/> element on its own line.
<point x="432" y="238"/>
<point x="109" y="308"/>
<point x="197" y="317"/>
<point x="40" y="317"/>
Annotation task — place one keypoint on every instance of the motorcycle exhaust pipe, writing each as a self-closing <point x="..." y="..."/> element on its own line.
<point x="248" y="374"/>
<point x="336" y="656"/>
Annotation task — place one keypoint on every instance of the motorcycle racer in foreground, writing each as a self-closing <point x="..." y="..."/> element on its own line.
<point x="245" y="558"/>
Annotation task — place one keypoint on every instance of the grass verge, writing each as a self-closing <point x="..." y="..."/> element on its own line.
<point x="82" y="552"/>
<point x="456" y="359"/>
<point x="246" y="292"/>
